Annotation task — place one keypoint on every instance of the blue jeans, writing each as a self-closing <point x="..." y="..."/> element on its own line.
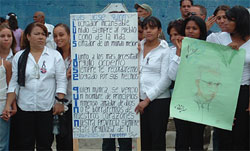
<point x="4" y="135"/>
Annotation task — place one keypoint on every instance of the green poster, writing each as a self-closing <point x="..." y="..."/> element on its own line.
<point x="207" y="83"/>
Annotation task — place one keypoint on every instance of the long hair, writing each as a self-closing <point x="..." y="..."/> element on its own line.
<point x="66" y="28"/>
<point x="240" y="16"/>
<point x="200" y="22"/>
<point x="13" y="44"/>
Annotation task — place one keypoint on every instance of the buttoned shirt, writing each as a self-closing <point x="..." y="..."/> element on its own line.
<point x="224" y="38"/>
<point x="42" y="80"/>
<point x="154" y="80"/>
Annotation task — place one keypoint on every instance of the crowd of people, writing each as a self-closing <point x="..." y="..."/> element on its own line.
<point x="40" y="55"/>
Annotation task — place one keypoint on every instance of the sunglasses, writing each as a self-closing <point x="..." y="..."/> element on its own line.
<point x="191" y="14"/>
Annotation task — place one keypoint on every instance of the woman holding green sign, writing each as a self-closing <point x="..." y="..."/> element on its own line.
<point x="189" y="135"/>
<point x="237" y="36"/>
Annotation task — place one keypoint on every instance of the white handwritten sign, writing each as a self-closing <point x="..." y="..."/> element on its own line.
<point x="104" y="75"/>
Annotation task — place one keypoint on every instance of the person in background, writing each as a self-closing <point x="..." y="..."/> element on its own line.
<point x="40" y="17"/>
<point x="33" y="69"/>
<point x="189" y="135"/>
<point x="154" y="83"/>
<point x="2" y="20"/>
<point x="144" y="11"/>
<point x="237" y="36"/>
<point x="12" y="20"/>
<point x="6" y="41"/>
<point x="64" y="140"/>
<point x="185" y="6"/>
<point x="201" y="11"/>
<point x="140" y="31"/>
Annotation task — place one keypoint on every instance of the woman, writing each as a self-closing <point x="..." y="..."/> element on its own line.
<point x="154" y="83"/>
<point x="6" y="41"/>
<point x="38" y="72"/>
<point x="237" y="36"/>
<point x="64" y="140"/>
<point x="174" y="31"/>
<point x="12" y="20"/>
<point x="189" y="135"/>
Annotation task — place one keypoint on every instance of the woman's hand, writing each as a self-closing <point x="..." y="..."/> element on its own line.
<point x="6" y="114"/>
<point x="58" y="109"/>
<point x="234" y="45"/>
<point x="210" y="21"/>
<point x="178" y="45"/>
<point x="140" y="107"/>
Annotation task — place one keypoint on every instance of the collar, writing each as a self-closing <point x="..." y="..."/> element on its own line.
<point x="46" y="51"/>
<point x="162" y="44"/>
<point x="10" y="55"/>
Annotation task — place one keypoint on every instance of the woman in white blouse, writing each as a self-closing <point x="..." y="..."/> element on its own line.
<point x="154" y="84"/>
<point x="38" y="72"/>
<point x="237" y="36"/>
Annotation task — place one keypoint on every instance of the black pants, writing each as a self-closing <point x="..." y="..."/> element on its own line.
<point x="238" y="138"/>
<point x="189" y="135"/>
<point x="33" y="129"/>
<point x="125" y="144"/>
<point x="154" y="122"/>
<point x="64" y="140"/>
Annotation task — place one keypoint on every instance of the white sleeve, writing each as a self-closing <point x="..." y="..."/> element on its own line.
<point x="173" y="67"/>
<point x="61" y="80"/>
<point x="164" y="81"/>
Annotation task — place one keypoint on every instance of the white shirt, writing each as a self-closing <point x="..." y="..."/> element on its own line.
<point x="42" y="80"/>
<point x="224" y="38"/>
<point x="174" y="63"/>
<point x="154" y="81"/>
<point x="50" y="39"/>
<point x="10" y="56"/>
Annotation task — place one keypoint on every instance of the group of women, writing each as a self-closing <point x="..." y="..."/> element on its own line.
<point x="37" y="66"/>
<point x="159" y="65"/>
<point x="33" y="69"/>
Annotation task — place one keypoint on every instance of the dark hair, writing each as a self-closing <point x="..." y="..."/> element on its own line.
<point x="176" y="24"/>
<point x="22" y="61"/>
<point x="2" y="20"/>
<point x="27" y="31"/>
<point x="13" y="23"/>
<point x="152" y="22"/>
<point x="200" y="22"/>
<point x="241" y="16"/>
<point x="13" y="44"/>
<point x="191" y="1"/>
<point x="66" y="28"/>
<point x="221" y="7"/>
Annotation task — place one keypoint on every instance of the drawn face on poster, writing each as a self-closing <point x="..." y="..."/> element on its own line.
<point x="207" y="84"/>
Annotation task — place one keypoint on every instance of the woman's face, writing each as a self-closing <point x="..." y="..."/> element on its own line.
<point x="37" y="38"/>
<point x="173" y="35"/>
<point x="5" y="38"/>
<point x="231" y="25"/>
<point x="61" y="37"/>
<point x="221" y="20"/>
<point x="151" y="33"/>
<point x="192" y="30"/>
